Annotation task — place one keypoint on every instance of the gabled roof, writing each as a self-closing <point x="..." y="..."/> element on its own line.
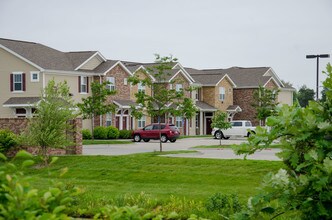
<point x="209" y="79"/>
<point x="79" y="57"/>
<point x="44" y="57"/>
<point x="202" y="106"/>
<point x="248" y="77"/>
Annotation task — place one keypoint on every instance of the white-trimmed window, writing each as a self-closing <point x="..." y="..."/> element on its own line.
<point x="141" y="87"/>
<point x="125" y="81"/>
<point x="17" y="82"/>
<point x="141" y="122"/>
<point x="222" y="93"/>
<point x="84" y="84"/>
<point x="34" y="76"/>
<point x="109" y="119"/>
<point x="198" y="94"/>
<point x="111" y="85"/>
<point x="178" y="87"/>
<point x="178" y="122"/>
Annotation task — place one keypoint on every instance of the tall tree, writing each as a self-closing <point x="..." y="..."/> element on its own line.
<point x="304" y="95"/>
<point x="96" y="104"/>
<point x="302" y="188"/>
<point x="163" y="101"/>
<point x="265" y="103"/>
<point x="219" y="120"/>
<point x="48" y="128"/>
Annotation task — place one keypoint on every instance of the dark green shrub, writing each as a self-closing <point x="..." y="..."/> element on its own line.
<point x="224" y="204"/>
<point x="112" y="132"/>
<point x="125" y="134"/>
<point x="100" y="132"/>
<point x="7" y="140"/>
<point x="86" y="134"/>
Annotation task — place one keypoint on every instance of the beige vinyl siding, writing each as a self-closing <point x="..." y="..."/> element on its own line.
<point x="92" y="64"/>
<point x="72" y="82"/>
<point x="9" y="64"/>
<point x="285" y="97"/>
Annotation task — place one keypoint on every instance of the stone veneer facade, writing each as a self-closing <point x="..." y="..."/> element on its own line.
<point x="18" y="125"/>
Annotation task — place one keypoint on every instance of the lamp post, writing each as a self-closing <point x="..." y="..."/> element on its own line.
<point x="317" y="56"/>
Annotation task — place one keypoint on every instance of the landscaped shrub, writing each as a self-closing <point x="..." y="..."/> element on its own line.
<point x="7" y="140"/>
<point x="226" y="205"/>
<point x="112" y="132"/>
<point x="18" y="200"/>
<point x="125" y="134"/>
<point x="86" y="134"/>
<point x="100" y="133"/>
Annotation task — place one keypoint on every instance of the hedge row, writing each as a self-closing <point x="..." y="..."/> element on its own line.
<point x="106" y="133"/>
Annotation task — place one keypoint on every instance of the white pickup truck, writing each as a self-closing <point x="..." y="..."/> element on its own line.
<point x="239" y="128"/>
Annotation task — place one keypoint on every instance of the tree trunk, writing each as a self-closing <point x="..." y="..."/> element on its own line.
<point x="44" y="155"/>
<point x="160" y="143"/>
<point x="92" y="127"/>
<point x="220" y="140"/>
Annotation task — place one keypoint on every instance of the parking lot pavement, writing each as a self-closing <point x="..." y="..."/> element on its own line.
<point x="180" y="144"/>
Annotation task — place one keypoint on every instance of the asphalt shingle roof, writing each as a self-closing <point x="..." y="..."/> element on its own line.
<point x="22" y="101"/>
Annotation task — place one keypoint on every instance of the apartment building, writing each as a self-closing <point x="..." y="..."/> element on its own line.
<point x="26" y="68"/>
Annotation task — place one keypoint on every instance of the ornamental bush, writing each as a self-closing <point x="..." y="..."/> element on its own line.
<point x="112" y="132"/>
<point x="19" y="200"/>
<point x="86" y="134"/>
<point x="125" y="134"/>
<point x="100" y="133"/>
<point x="7" y="140"/>
<point x="303" y="190"/>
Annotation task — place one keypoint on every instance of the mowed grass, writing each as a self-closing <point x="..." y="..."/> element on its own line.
<point x="103" y="178"/>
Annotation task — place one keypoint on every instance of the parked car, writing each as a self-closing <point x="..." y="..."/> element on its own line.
<point x="239" y="128"/>
<point x="168" y="132"/>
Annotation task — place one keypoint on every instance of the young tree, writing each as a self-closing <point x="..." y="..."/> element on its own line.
<point x="304" y="95"/>
<point x="96" y="104"/>
<point x="265" y="103"/>
<point x="219" y="120"/>
<point x="164" y="101"/>
<point x="303" y="188"/>
<point x="48" y="129"/>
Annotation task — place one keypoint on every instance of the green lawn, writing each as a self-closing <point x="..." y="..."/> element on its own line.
<point x="229" y="146"/>
<point x="105" y="178"/>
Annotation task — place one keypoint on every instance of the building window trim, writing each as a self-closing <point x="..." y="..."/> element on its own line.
<point x="222" y="93"/>
<point x="17" y="79"/>
<point x="32" y="78"/>
<point x="178" y="121"/>
<point x="141" y="122"/>
<point x="111" y="86"/>
<point x="109" y="119"/>
<point x="141" y="87"/>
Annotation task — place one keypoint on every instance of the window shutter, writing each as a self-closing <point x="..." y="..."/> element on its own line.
<point x="79" y="84"/>
<point x="23" y="82"/>
<point x="87" y="84"/>
<point x="11" y="82"/>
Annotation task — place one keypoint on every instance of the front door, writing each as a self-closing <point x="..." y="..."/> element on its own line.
<point x="208" y="125"/>
<point x="124" y="123"/>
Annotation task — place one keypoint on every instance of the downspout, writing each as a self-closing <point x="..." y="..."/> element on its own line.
<point x="100" y="116"/>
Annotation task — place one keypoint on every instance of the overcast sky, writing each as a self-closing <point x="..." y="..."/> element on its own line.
<point x="201" y="34"/>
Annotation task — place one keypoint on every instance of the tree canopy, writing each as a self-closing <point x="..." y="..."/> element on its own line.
<point x="164" y="101"/>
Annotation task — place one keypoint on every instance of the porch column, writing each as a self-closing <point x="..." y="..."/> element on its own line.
<point x="201" y="125"/>
<point x="121" y="120"/>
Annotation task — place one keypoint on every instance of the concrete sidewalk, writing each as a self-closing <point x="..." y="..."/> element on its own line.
<point x="180" y="144"/>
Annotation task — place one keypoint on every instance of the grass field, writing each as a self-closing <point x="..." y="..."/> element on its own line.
<point x="105" y="178"/>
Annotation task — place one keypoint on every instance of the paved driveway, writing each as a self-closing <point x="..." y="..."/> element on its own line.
<point x="180" y="144"/>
